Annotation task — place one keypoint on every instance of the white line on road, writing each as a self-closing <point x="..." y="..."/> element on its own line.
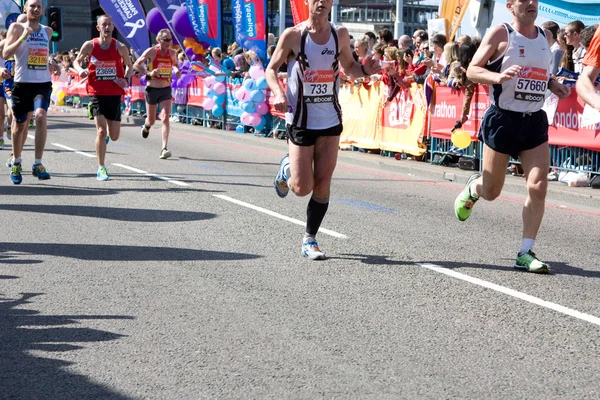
<point x="519" y="295"/>
<point x="276" y="215"/>
<point x="73" y="150"/>
<point x="164" y="178"/>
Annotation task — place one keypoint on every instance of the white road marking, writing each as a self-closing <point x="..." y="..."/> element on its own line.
<point x="276" y="215"/>
<point x="514" y="293"/>
<point x="164" y="178"/>
<point x="70" y="149"/>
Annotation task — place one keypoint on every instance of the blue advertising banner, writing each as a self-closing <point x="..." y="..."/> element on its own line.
<point x="565" y="11"/>
<point x="205" y="16"/>
<point x="250" y="25"/>
<point x="129" y="19"/>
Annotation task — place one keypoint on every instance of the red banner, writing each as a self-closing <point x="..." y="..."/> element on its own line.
<point x="299" y="11"/>
<point x="136" y="90"/>
<point x="195" y="94"/>
<point x="448" y="109"/>
<point x="567" y="129"/>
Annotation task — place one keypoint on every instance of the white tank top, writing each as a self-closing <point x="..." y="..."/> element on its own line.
<point x="527" y="91"/>
<point x="313" y="83"/>
<point x="31" y="59"/>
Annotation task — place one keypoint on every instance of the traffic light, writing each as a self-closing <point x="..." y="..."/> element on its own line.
<point x="55" y="22"/>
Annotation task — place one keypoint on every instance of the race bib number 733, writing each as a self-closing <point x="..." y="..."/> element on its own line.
<point x="318" y="86"/>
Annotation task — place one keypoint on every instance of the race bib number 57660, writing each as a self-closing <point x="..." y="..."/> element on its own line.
<point x="531" y="84"/>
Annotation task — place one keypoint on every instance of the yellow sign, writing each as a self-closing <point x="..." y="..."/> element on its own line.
<point x="453" y="12"/>
<point x="361" y="111"/>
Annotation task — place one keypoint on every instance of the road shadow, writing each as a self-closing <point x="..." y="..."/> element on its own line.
<point x="24" y="375"/>
<point x="71" y="125"/>
<point x="556" y="267"/>
<point x="100" y="252"/>
<point x="227" y="161"/>
<point x="55" y="190"/>
<point x="112" y="213"/>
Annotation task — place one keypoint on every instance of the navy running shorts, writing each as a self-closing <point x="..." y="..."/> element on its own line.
<point x="511" y="132"/>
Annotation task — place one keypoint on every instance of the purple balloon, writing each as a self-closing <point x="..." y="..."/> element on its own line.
<point x="143" y="80"/>
<point x="181" y="23"/>
<point x="155" y="21"/>
<point x="189" y="52"/>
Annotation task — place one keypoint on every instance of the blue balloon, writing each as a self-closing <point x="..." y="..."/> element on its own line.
<point x="257" y="96"/>
<point x="261" y="83"/>
<point x="259" y="127"/>
<point x="210" y="93"/>
<point x="220" y="78"/>
<point x="239" y="129"/>
<point x="219" y="98"/>
<point x="250" y="84"/>
<point x="217" y="110"/>
<point x="248" y="107"/>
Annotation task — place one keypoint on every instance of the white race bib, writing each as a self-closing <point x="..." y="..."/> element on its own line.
<point x="318" y="86"/>
<point x="106" y="70"/>
<point x="531" y="84"/>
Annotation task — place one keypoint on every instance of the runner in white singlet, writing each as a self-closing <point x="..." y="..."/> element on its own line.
<point x="514" y="59"/>
<point x="315" y="50"/>
<point x="29" y="44"/>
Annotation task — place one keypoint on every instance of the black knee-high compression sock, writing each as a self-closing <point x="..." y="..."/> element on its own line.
<point x="315" y="212"/>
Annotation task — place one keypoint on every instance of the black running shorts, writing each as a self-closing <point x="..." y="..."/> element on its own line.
<point x="28" y="97"/>
<point x="511" y="132"/>
<point x="107" y="106"/>
<point x="158" y="95"/>
<point x="308" y="137"/>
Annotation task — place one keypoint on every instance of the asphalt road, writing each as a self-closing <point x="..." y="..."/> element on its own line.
<point x="181" y="279"/>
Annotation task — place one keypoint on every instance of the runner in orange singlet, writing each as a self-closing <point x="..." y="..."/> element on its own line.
<point x="158" y="63"/>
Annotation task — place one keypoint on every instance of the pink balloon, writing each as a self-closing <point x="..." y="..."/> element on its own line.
<point x="209" y="82"/>
<point x="242" y="94"/>
<point x="208" y="103"/>
<point x="245" y="118"/>
<point x="262" y="108"/>
<point x="219" y="88"/>
<point x="256" y="72"/>
<point x="254" y="119"/>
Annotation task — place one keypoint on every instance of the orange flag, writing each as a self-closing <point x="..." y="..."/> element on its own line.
<point x="453" y="12"/>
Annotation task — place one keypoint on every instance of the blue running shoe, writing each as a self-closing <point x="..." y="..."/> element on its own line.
<point x="312" y="251"/>
<point x="280" y="183"/>
<point x="15" y="174"/>
<point x="40" y="171"/>
<point x="102" y="174"/>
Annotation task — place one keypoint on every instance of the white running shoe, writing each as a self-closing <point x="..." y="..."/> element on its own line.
<point x="164" y="154"/>
<point x="312" y="251"/>
<point x="280" y="183"/>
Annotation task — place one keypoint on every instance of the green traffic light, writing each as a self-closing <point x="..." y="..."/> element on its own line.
<point x="54" y="34"/>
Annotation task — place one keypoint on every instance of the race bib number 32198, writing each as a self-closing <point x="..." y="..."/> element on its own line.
<point x="37" y="58"/>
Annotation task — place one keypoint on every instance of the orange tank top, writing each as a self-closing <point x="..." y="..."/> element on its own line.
<point x="164" y="64"/>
